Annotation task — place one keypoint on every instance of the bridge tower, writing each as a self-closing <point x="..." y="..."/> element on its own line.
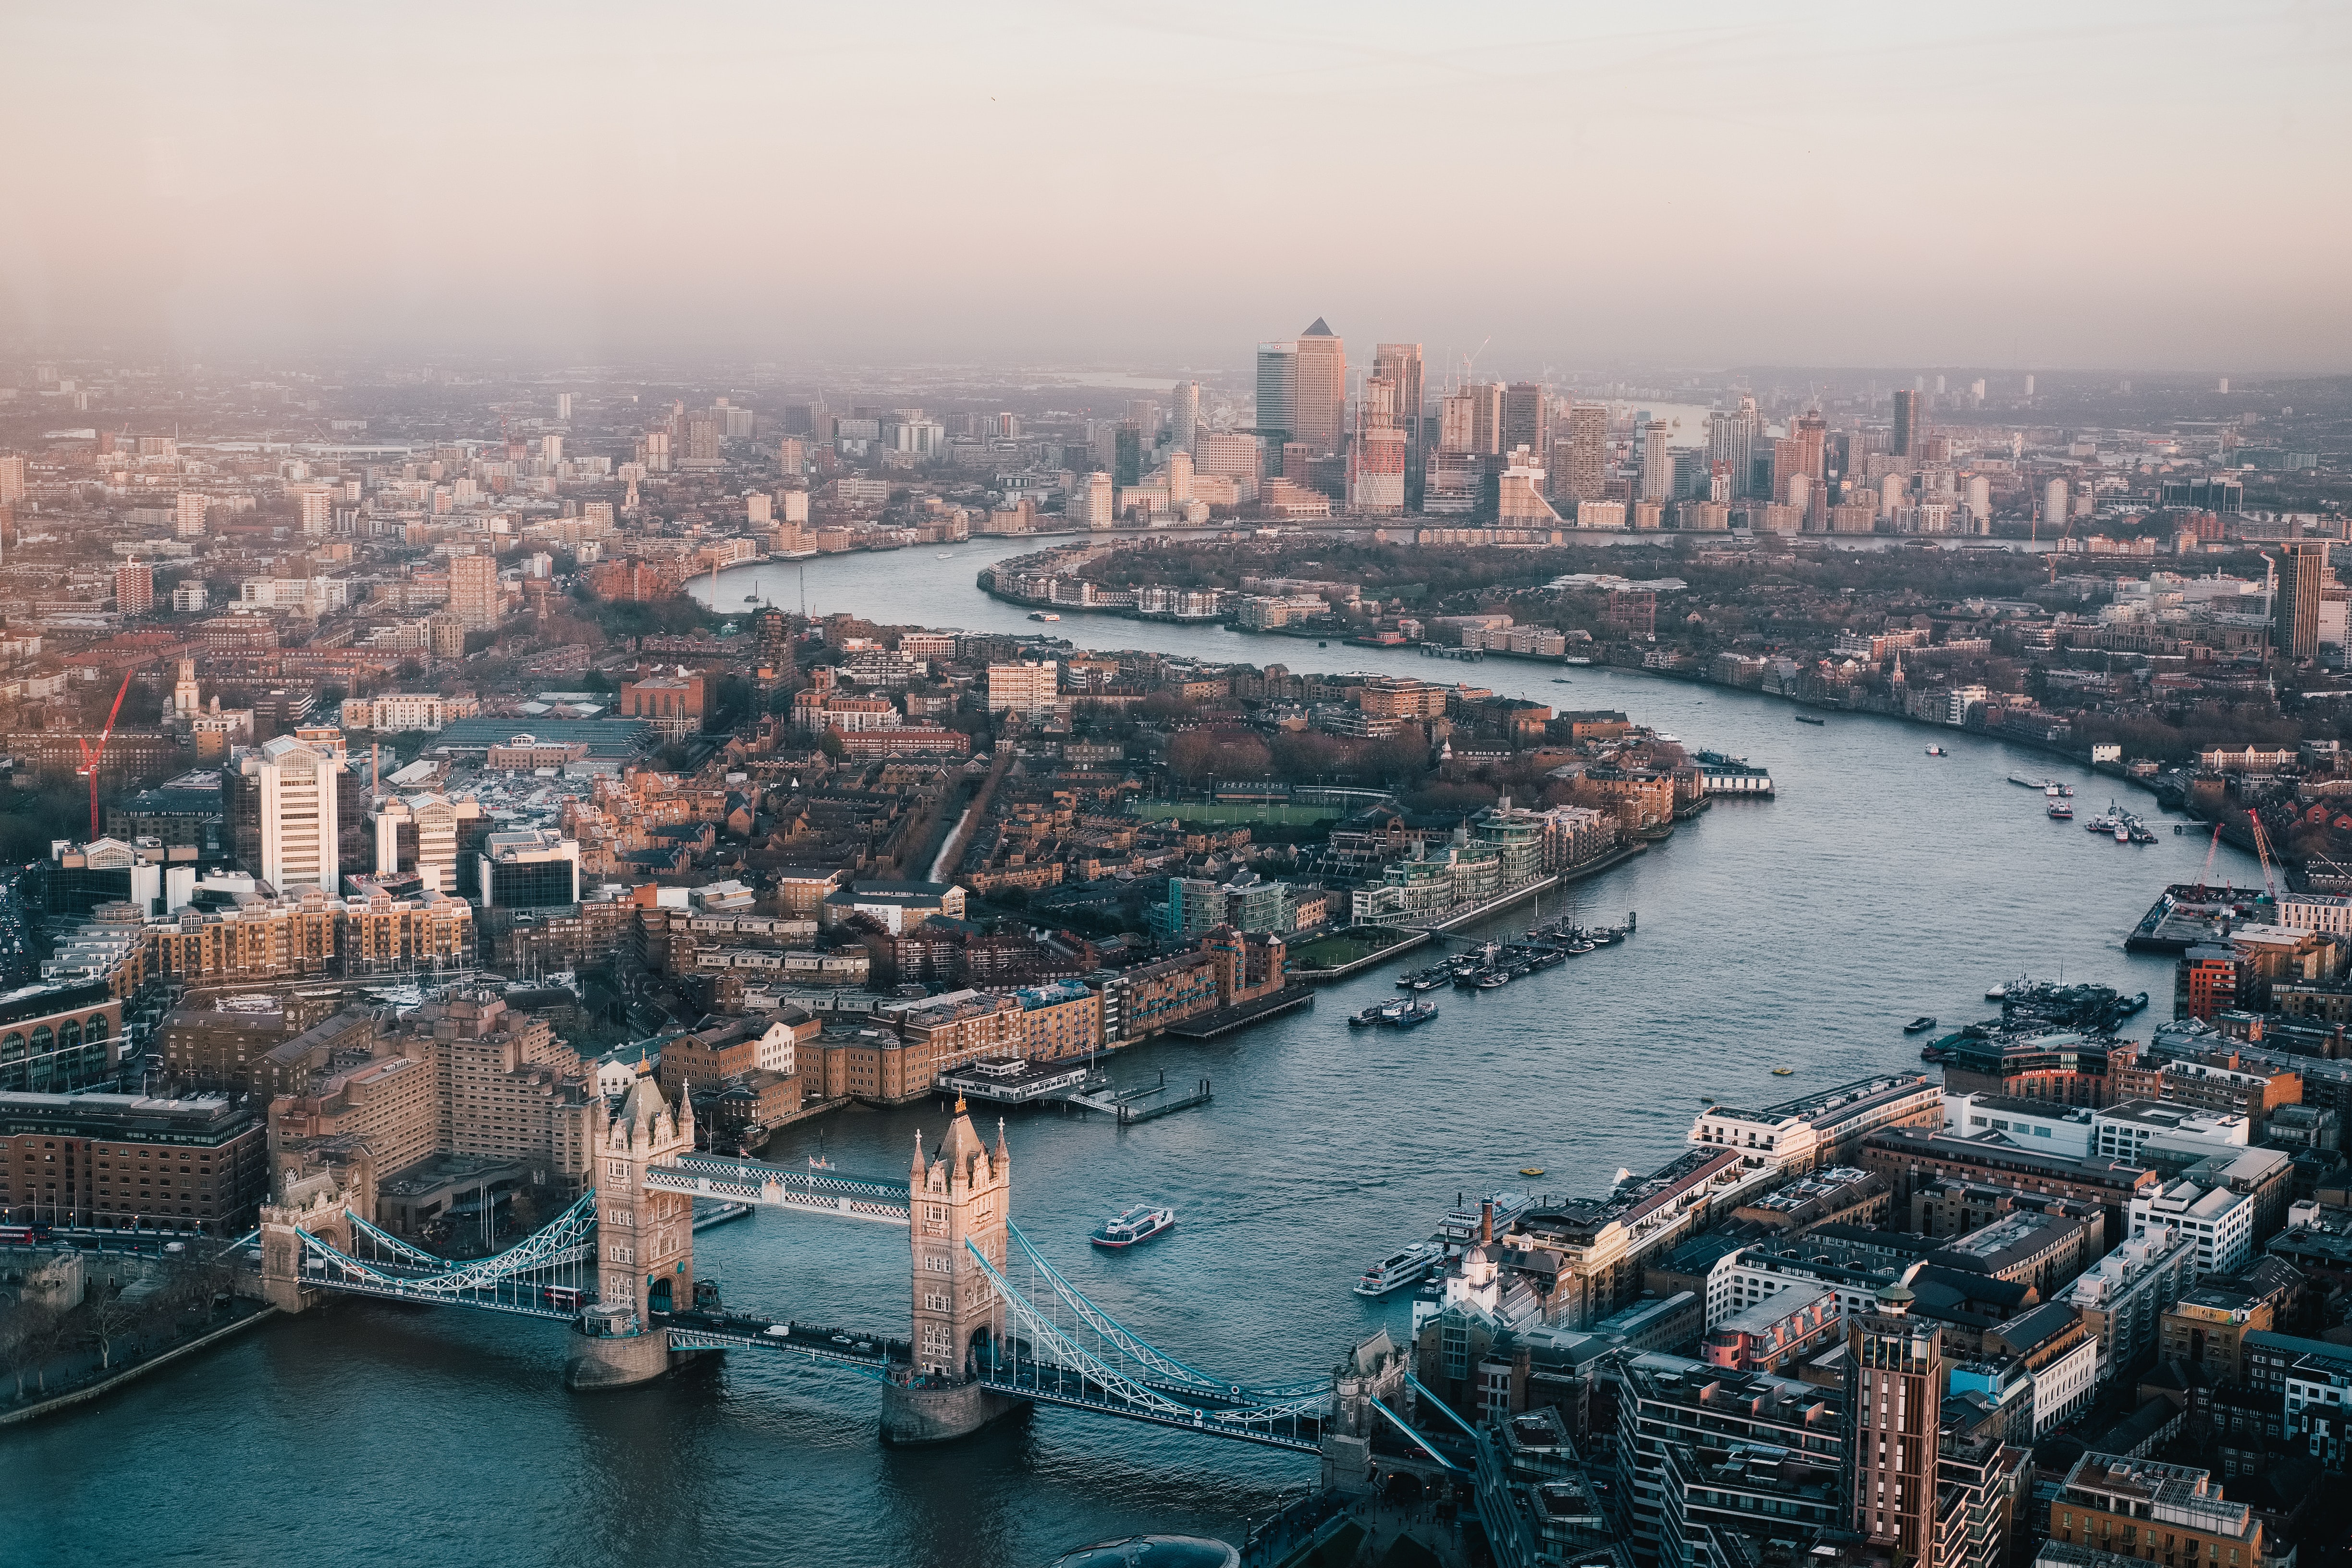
<point x="310" y="1193"/>
<point x="645" y="1244"/>
<point x="963" y="1197"/>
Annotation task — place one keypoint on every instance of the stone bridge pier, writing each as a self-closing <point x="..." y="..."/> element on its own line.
<point x="956" y="1205"/>
<point x="644" y="1245"/>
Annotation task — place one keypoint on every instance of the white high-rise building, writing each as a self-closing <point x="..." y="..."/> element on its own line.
<point x="296" y="783"/>
<point x="550" y="449"/>
<point x="564" y="407"/>
<point x="188" y="510"/>
<point x="2053" y="503"/>
<point x="1980" y="504"/>
<point x="1657" y="463"/>
<point x="12" y="479"/>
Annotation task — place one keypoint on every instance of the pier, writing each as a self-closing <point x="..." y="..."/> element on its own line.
<point x="1131" y="1106"/>
<point x="1226" y="1020"/>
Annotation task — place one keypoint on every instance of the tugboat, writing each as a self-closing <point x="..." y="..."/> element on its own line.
<point x="1410" y="1018"/>
<point x="1381" y="1013"/>
<point x="1919" y="1025"/>
<point x="1133" y="1226"/>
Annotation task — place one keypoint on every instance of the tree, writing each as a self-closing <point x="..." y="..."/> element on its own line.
<point x="831" y="745"/>
<point x="20" y="1339"/>
<point x="108" y="1315"/>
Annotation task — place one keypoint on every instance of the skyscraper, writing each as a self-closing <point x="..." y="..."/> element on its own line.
<point x="1185" y="421"/>
<point x="1657" y="463"/>
<point x="564" y="407"/>
<point x="1581" y="468"/>
<point x="1400" y="365"/>
<point x="1453" y="424"/>
<point x="1730" y="435"/>
<point x="1320" y="390"/>
<point x="2294" y="607"/>
<point x="2053" y="504"/>
<point x="1896" y="1391"/>
<point x="1812" y="435"/>
<point x="1278" y="392"/>
<point x="1526" y="417"/>
<point x="1907" y="430"/>
<point x="1486" y="415"/>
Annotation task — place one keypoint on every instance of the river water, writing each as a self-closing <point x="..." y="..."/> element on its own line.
<point x="1802" y="932"/>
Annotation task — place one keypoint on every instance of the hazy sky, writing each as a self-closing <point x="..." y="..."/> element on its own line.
<point x="2140" y="186"/>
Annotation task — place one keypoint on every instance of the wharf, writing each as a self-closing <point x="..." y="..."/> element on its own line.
<point x="1226" y="1020"/>
<point x="2187" y="914"/>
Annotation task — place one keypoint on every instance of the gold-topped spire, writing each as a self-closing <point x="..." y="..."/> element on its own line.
<point x="958" y="1110"/>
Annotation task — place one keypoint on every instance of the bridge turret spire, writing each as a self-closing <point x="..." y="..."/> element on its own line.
<point x="920" y="1169"/>
<point x="1003" y="1156"/>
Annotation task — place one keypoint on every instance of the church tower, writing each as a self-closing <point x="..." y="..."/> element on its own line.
<point x="185" y="703"/>
<point x="644" y="1240"/>
<point x="963" y="1197"/>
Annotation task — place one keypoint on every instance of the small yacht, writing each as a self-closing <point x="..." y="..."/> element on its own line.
<point x="1132" y="1226"/>
<point x="1398" y="1268"/>
<point x="1920" y="1025"/>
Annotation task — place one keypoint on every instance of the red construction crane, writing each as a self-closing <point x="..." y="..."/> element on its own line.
<point x="90" y="759"/>
<point x="2262" y="849"/>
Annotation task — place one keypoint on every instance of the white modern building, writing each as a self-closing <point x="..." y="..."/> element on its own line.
<point x="2217" y="1223"/>
<point x="2125" y="1295"/>
<point x="297" y="784"/>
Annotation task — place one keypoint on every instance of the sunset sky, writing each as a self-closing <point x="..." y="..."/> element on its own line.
<point x="2138" y="186"/>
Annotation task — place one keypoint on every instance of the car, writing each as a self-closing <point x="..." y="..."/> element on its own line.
<point x="778" y="1331"/>
<point x="841" y="1339"/>
<point x="863" y="1346"/>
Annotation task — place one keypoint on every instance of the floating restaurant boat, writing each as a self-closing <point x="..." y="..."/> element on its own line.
<point x="1132" y="1225"/>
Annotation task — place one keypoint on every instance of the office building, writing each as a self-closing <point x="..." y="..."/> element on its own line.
<point x="534" y="869"/>
<point x="292" y="786"/>
<point x="2113" y="1502"/>
<point x="1526" y="418"/>
<point x="1400" y="365"/>
<point x="1730" y="439"/>
<point x="1486" y="417"/>
<point x="1908" y="432"/>
<point x="125" y="1161"/>
<point x="1184" y="416"/>
<point x="134" y="588"/>
<point x="1320" y="390"/>
<point x="2302" y="575"/>
<point x="474" y="591"/>
<point x="1278" y="391"/>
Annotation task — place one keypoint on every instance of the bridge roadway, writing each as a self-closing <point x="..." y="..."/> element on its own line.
<point x="869" y="1353"/>
<point x="780" y="1186"/>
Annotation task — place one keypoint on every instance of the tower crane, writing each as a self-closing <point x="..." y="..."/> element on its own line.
<point x="2263" y="850"/>
<point x="91" y="759"/>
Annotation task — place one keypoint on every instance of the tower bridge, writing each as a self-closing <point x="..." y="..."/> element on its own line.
<point x="992" y="1324"/>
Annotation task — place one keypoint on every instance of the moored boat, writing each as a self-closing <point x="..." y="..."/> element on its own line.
<point x="1132" y="1226"/>
<point x="1400" y="1269"/>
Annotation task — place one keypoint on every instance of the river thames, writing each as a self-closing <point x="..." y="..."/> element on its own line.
<point x="1798" y="933"/>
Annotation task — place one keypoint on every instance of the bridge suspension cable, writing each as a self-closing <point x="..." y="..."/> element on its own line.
<point x="548" y="1274"/>
<point x="1034" y="1356"/>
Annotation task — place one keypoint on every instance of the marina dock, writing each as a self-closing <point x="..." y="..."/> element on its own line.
<point x="2187" y="914"/>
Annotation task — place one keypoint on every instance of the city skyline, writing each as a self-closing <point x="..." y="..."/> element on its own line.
<point x="1830" y="189"/>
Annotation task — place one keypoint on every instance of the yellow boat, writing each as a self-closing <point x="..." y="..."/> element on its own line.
<point x="1782" y="1072"/>
<point x="1531" y="1170"/>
